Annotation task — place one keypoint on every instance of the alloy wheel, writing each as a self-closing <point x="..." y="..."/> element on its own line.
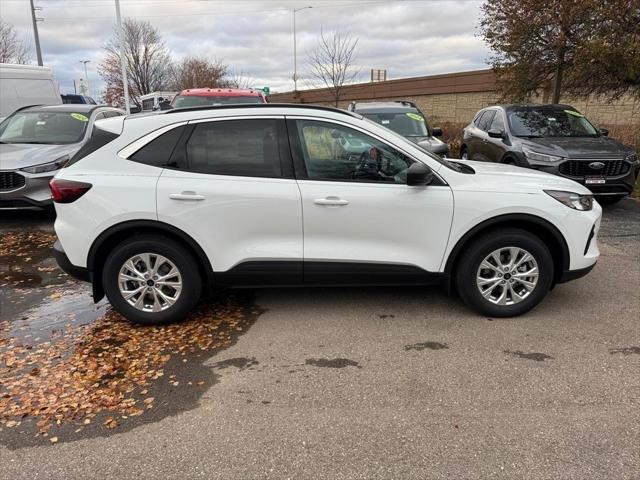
<point x="507" y="276"/>
<point x="150" y="282"/>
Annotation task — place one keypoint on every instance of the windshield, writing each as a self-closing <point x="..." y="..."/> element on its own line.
<point x="43" y="127"/>
<point x="549" y="122"/>
<point x="407" y="124"/>
<point x="198" y="101"/>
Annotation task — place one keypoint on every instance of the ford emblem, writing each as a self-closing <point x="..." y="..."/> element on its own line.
<point x="596" y="165"/>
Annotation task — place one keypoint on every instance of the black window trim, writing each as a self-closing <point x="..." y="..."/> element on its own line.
<point x="179" y="159"/>
<point x="301" y="168"/>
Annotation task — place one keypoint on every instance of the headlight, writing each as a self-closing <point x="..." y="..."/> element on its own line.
<point x="572" y="200"/>
<point x="540" y="157"/>
<point x="57" y="164"/>
<point x="633" y="158"/>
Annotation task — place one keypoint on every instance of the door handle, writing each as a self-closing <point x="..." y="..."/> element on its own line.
<point x="186" y="195"/>
<point x="331" y="202"/>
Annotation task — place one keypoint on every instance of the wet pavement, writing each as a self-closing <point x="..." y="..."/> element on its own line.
<point x="320" y="383"/>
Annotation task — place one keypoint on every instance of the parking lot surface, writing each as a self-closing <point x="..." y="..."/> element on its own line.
<point x="348" y="382"/>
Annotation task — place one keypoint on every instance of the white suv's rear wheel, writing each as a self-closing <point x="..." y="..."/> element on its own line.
<point x="505" y="273"/>
<point x="152" y="280"/>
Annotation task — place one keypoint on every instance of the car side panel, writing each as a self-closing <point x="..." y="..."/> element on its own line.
<point x="125" y="191"/>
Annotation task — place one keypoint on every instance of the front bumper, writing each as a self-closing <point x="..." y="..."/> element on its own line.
<point x="579" y="170"/>
<point x="30" y="194"/>
<point x="65" y="264"/>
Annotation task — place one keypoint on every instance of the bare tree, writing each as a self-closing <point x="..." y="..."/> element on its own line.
<point x="195" y="72"/>
<point x="331" y="63"/>
<point x="146" y="58"/>
<point x="237" y="79"/>
<point x="12" y="49"/>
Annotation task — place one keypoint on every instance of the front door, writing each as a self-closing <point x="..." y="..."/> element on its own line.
<point x="362" y="222"/>
<point x="232" y="190"/>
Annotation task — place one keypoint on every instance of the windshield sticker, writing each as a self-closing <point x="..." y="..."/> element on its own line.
<point x="41" y="122"/>
<point x="385" y="122"/>
<point x="79" y="116"/>
<point x="415" y="116"/>
<point x="574" y="113"/>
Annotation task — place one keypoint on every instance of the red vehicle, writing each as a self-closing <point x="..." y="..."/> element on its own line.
<point x="197" y="97"/>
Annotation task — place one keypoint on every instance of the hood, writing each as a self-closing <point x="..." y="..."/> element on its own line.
<point x="14" y="156"/>
<point x="578" y="147"/>
<point x="432" y="144"/>
<point x="517" y="179"/>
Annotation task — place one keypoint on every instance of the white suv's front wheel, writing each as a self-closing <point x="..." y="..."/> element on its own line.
<point x="151" y="280"/>
<point x="505" y="273"/>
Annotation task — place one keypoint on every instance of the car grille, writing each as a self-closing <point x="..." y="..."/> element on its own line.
<point x="11" y="181"/>
<point x="581" y="168"/>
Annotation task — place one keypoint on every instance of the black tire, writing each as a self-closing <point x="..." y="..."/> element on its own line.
<point x="609" y="199"/>
<point x="172" y="251"/>
<point x="469" y="263"/>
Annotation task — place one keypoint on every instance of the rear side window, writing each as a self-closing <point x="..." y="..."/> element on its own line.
<point x="159" y="150"/>
<point x="99" y="138"/>
<point x="247" y="148"/>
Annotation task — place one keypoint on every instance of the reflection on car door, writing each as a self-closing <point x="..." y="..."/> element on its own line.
<point x="361" y="222"/>
<point x="237" y="175"/>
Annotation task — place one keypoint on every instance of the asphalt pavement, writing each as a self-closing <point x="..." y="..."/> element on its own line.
<point x="391" y="383"/>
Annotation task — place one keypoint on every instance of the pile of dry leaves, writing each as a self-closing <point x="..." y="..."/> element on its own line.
<point x="106" y="366"/>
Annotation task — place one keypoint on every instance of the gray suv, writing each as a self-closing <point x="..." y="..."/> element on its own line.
<point x="36" y="142"/>
<point x="556" y="139"/>
<point x="406" y="119"/>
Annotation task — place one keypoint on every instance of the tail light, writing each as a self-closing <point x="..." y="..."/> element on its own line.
<point x="67" y="191"/>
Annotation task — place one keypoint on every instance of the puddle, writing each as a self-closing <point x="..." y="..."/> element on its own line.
<point x="72" y="369"/>
<point x="538" y="357"/>
<point x="331" y="363"/>
<point x="240" y="363"/>
<point x="424" y="345"/>
<point x="625" y="351"/>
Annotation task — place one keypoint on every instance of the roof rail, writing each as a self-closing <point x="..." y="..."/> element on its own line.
<point x="259" y="105"/>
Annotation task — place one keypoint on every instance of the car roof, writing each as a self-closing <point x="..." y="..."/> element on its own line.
<point x="220" y="92"/>
<point x="386" y="107"/>
<point x="65" y="107"/>
<point x="514" y="106"/>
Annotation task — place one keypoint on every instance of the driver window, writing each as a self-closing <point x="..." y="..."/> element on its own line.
<point x="334" y="152"/>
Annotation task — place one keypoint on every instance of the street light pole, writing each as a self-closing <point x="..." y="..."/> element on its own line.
<point x="35" y="31"/>
<point x="295" y="53"/>
<point x="125" y="82"/>
<point x="86" y="76"/>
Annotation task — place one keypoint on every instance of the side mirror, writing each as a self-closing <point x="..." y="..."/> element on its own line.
<point x="436" y="131"/>
<point x="496" y="133"/>
<point x="604" y="132"/>
<point x="419" y="175"/>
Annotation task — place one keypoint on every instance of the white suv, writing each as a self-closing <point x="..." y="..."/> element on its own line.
<point x="157" y="209"/>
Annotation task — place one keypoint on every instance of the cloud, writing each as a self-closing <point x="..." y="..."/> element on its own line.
<point x="408" y="38"/>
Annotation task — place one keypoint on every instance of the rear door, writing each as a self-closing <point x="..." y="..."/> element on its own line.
<point x="230" y="186"/>
<point x="495" y="148"/>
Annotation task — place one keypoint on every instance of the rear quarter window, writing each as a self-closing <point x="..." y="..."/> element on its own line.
<point x="99" y="138"/>
<point x="158" y="151"/>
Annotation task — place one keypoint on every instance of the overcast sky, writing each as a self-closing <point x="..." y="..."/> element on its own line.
<point x="406" y="37"/>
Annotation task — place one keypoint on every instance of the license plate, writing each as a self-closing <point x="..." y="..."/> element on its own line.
<point x="594" y="180"/>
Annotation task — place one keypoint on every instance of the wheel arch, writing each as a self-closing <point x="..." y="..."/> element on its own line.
<point x="114" y="235"/>
<point x="533" y="224"/>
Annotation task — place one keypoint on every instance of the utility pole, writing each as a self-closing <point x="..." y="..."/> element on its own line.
<point x="86" y="76"/>
<point x="35" y="30"/>
<point x="123" y="65"/>
<point x="295" y="53"/>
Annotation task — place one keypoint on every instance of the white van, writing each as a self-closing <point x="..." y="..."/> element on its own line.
<point x="23" y="85"/>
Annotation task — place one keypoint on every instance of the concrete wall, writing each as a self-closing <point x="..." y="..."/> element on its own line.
<point x="457" y="97"/>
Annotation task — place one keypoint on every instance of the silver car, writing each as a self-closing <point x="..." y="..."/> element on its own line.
<point x="36" y="142"/>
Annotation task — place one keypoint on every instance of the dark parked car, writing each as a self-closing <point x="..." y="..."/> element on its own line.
<point x="406" y="119"/>
<point x="77" y="99"/>
<point x="556" y="139"/>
